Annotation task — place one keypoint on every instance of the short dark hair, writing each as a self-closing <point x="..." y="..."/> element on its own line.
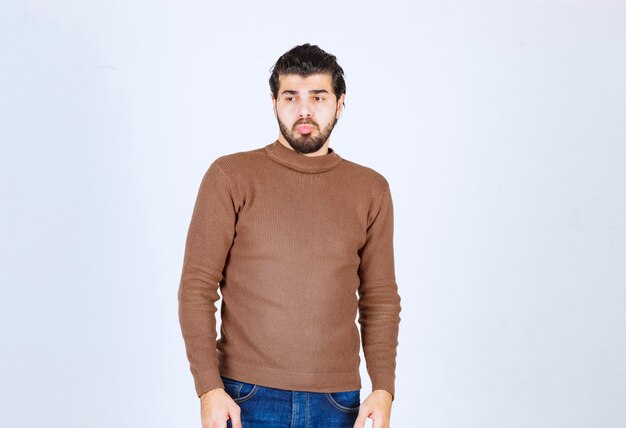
<point x="305" y="60"/>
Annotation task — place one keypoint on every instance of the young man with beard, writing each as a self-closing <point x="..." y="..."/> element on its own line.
<point x="297" y="239"/>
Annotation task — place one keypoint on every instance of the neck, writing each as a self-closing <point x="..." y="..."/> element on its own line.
<point x="313" y="163"/>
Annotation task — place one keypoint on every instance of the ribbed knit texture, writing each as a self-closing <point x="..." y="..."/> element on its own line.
<point x="296" y="244"/>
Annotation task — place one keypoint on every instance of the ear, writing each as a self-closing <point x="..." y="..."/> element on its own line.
<point x="340" y="104"/>
<point x="273" y="102"/>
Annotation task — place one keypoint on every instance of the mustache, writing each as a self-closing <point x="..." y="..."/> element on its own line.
<point x="305" y="123"/>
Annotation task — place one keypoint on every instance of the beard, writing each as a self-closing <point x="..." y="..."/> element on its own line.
<point x="306" y="143"/>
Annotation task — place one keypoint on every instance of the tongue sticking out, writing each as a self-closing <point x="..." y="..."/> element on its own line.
<point x="305" y="129"/>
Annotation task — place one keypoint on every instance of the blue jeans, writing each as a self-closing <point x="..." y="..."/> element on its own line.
<point x="262" y="406"/>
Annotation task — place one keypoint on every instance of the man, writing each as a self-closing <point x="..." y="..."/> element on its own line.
<point x="292" y="233"/>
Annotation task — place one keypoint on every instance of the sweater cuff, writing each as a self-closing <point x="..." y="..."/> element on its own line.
<point x="385" y="382"/>
<point x="207" y="381"/>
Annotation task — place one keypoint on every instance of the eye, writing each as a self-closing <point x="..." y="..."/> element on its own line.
<point x="319" y="98"/>
<point x="289" y="98"/>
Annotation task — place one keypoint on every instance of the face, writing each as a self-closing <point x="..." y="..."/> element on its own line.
<point x="307" y="110"/>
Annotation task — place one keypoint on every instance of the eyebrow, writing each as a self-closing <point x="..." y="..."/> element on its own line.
<point x="312" y="91"/>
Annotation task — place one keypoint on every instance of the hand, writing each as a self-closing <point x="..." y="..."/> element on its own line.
<point x="217" y="407"/>
<point x="376" y="406"/>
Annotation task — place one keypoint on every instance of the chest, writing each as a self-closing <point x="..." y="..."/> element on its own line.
<point x="283" y="217"/>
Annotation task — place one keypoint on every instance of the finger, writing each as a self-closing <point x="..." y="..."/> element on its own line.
<point x="380" y="422"/>
<point x="361" y="419"/>
<point x="235" y="417"/>
<point x="215" y="423"/>
<point x="224" y="422"/>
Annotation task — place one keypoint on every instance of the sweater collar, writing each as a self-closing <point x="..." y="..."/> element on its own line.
<point x="300" y="162"/>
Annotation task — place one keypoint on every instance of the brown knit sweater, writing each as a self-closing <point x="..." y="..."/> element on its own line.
<point x="296" y="244"/>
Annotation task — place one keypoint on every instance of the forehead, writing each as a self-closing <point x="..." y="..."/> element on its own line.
<point x="296" y="82"/>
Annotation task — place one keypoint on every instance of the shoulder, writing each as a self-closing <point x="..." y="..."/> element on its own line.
<point x="373" y="187"/>
<point x="367" y="176"/>
<point x="234" y="161"/>
<point x="234" y="165"/>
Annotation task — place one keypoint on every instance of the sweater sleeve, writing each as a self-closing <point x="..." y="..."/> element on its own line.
<point x="210" y="236"/>
<point x="379" y="301"/>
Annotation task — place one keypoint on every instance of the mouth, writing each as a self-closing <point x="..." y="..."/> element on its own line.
<point x="305" y="129"/>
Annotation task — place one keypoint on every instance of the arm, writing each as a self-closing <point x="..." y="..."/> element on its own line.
<point x="210" y="236"/>
<point x="379" y="301"/>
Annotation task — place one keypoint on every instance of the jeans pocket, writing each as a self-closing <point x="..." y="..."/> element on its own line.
<point x="239" y="390"/>
<point x="346" y="401"/>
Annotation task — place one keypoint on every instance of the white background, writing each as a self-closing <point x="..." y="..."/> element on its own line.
<point x="500" y="126"/>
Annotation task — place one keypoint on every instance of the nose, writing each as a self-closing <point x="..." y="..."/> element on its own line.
<point x="304" y="110"/>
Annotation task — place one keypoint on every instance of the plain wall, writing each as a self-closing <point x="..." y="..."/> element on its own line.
<point x="499" y="125"/>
